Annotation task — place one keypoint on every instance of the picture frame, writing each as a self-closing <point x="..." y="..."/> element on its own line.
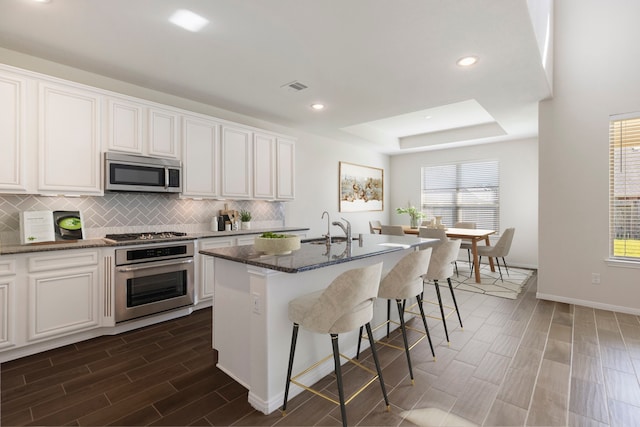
<point x="361" y="188"/>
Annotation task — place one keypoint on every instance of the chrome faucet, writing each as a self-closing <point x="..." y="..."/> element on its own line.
<point x="328" y="235"/>
<point x="347" y="229"/>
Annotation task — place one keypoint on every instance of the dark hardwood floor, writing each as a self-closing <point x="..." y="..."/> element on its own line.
<point x="522" y="362"/>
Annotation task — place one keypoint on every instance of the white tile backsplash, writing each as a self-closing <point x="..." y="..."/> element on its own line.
<point x="133" y="212"/>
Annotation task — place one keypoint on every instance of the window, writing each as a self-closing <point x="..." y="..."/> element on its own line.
<point x="624" y="186"/>
<point x="463" y="192"/>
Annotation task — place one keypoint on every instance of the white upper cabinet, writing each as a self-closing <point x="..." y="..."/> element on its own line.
<point x="147" y="129"/>
<point x="285" y="166"/>
<point x="163" y="132"/>
<point x="12" y="132"/>
<point x="69" y="140"/>
<point x="124" y="125"/>
<point x="264" y="166"/>
<point x="200" y="155"/>
<point x="236" y="148"/>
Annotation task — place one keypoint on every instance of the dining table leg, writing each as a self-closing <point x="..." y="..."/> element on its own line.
<point x="476" y="264"/>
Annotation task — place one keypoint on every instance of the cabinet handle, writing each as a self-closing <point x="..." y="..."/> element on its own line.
<point x="153" y="265"/>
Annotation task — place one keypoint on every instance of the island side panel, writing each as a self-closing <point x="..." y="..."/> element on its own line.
<point x="232" y="320"/>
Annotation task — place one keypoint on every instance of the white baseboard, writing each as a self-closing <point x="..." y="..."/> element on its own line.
<point x="591" y="304"/>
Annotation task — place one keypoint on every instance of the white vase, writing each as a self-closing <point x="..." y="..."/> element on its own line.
<point x="245" y="225"/>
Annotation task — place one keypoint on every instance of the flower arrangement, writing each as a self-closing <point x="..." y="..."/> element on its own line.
<point x="414" y="214"/>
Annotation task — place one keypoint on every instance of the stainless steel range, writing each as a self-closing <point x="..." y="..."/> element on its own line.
<point x="152" y="278"/>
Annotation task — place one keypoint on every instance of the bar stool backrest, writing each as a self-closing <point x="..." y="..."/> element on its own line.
<point x="441" y="263"/>
<point x="347" y="303"/>
<point x="404" y="280"/>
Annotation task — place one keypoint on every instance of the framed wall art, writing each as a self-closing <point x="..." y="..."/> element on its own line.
<point x="361" y="188"/>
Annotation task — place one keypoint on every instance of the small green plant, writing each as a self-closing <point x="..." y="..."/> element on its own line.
<point x="270" y="235"/>
<point x="413" y="212"/>
<point x="245" y="216"/>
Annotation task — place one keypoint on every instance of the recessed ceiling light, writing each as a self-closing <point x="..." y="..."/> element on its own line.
<point x="42" y="1"/>
<point x="428" y="117"/>
<point x="188" y="20"/>
<point x="467" y="61"/>
<point x="317" y="106"/>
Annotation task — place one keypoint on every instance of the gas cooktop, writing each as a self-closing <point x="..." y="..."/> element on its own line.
<point x="125" y="237"/>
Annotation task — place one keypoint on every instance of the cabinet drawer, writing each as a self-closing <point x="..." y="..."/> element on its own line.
<point x="62" y="260"/>
<point x="7" y="267"/>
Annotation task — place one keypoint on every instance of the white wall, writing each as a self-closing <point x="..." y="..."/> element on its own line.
<point x="596" y="74"/>
<point x="518" y="188"/>
<point x="317" y="169"/>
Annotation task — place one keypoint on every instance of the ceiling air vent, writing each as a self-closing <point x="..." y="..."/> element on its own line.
<point x="295" y="86"/>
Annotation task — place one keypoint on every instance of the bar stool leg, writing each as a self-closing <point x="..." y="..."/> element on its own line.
<point x="444" y="319"/>
<point x="336" y="361"/>
<point x="294" y="339"/>
<point x="388" y="316"/>
<point x="375" y="359"/>
<point x="359" y="342"/>
<point x="404" y="338"/>
<point x="424" y="322"/>
<point x="454" y="301"/>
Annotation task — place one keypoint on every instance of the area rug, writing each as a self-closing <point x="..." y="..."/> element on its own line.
<point x="490" y="283"/>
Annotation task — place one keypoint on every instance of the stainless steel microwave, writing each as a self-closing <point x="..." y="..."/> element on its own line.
<point x="125" y="172"/>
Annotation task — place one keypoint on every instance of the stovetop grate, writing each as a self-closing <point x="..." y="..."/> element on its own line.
<point x="123" y="237"/>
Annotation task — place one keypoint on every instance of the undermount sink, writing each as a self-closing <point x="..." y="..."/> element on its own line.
<point x="323" y="240"/>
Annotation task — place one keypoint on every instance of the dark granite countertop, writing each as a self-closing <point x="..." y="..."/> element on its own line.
<point x="317" y="255"/>
<point x="99" y="243"/>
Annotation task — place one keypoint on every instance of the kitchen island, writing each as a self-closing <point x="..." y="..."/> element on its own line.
<point x="251" y="329"/>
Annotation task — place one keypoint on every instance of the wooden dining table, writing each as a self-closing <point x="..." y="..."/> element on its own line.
<point x="474" y="235"/>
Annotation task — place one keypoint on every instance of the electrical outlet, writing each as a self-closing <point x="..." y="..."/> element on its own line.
<point x="256" y="303"/>
<point x="595" y="278"/>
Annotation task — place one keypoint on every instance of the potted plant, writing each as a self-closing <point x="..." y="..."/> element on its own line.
<point x="245" y="219"/>
<point x="414" y="214"/>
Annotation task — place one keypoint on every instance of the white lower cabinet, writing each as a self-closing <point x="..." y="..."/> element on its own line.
<point x="63" y="293"/>
<point x="204" y="286"/>
<point x="7" y="302"/>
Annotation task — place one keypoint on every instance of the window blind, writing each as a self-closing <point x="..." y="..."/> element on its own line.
<point x="467" y="191"/>
<point x="624" y="186"/>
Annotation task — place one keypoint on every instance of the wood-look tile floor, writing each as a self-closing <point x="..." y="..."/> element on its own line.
<point x="515" y="363"/>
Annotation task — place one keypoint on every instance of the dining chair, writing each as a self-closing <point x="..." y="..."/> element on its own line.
<point x="500" y="250"/>
<point x="465" y="245"/>
<point x="394" y="230"/>
<point x="345" y="305"/>
<point x="374" y="227"/>
<point x="441" y="268"/>
<point x="433" y="233"/>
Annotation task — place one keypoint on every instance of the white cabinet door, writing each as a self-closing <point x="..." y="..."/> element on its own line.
<point x="63" y="293"/>
<point x="12" y="133"/>
<point x="163" y="133"/>
<point x="236" y="150"/>
<point x="125" y="126"/>
<point x="285" y="166"/>
<point x="264" y="166"/>
<point x="7" y="302"/>
<point x="146" y="129"/>
<point x="69" y="140"/>
<point x="200" y="156"/>
<point x="205" y="286"/>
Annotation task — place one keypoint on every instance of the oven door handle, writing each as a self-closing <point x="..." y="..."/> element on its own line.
<point x="153" y="265"/>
